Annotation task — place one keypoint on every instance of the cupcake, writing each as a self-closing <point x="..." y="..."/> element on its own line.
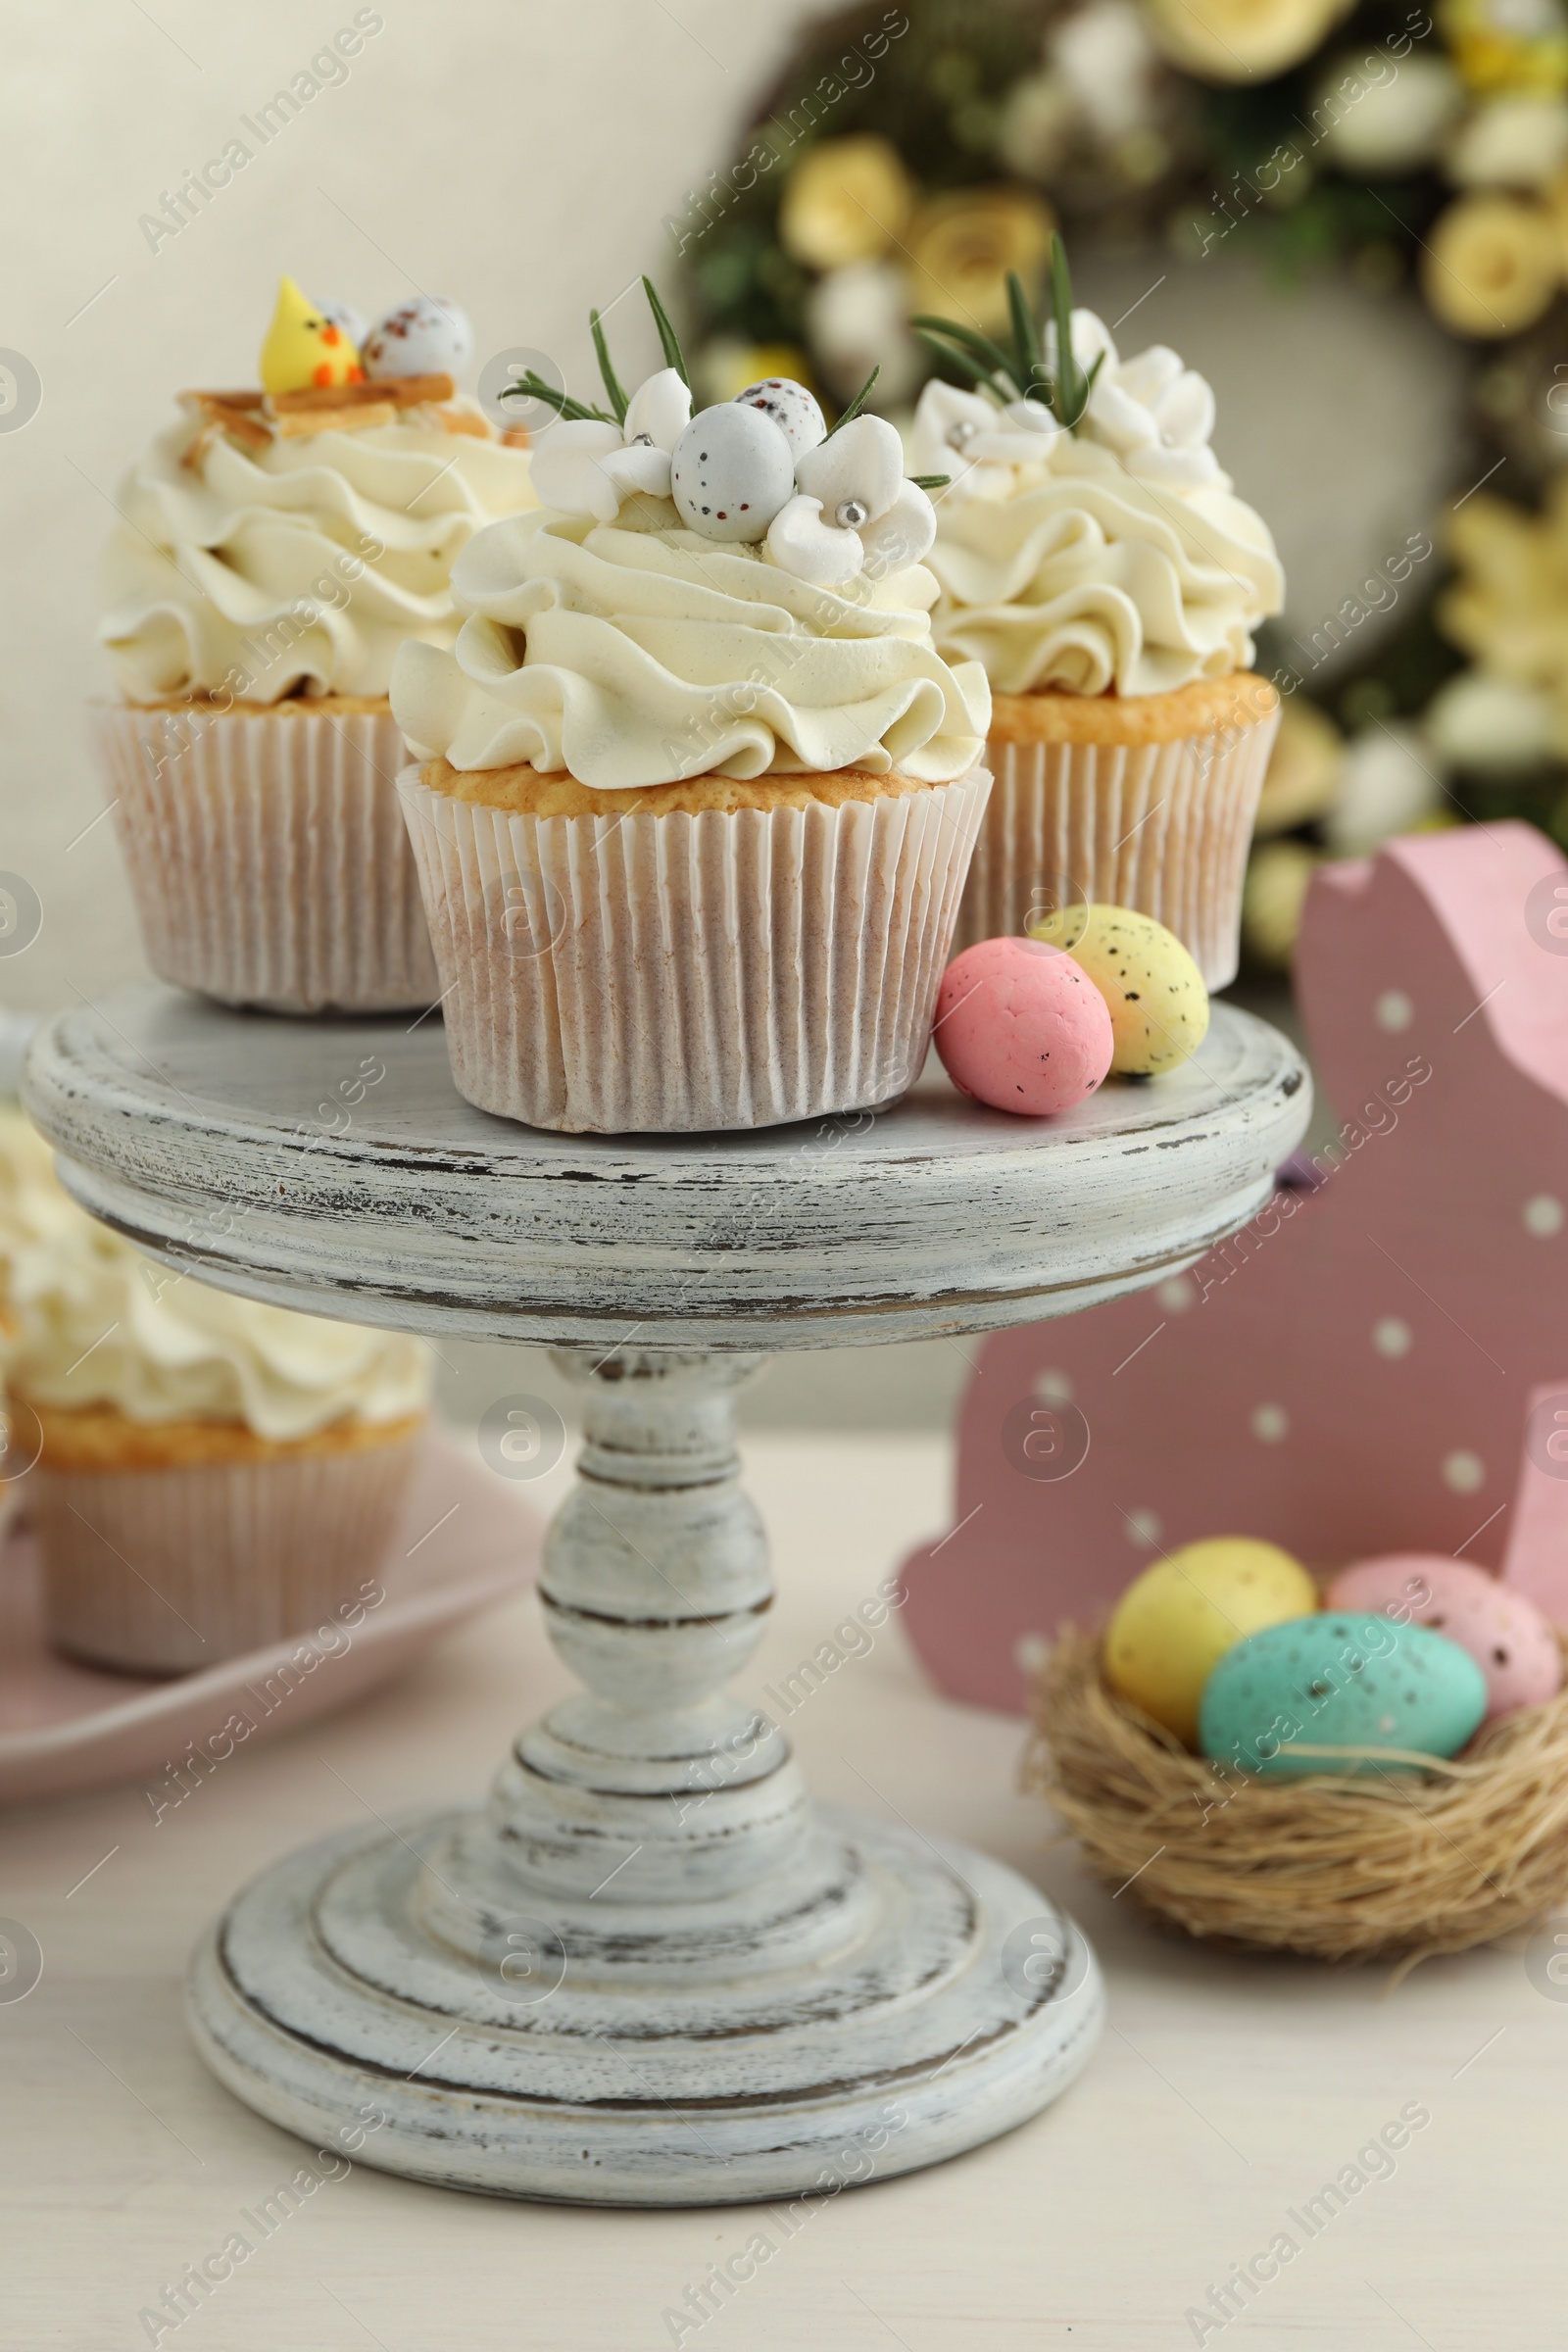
<point x="1094" y="558"/>
<point x="696" y="791"/>
<point x="206" y="1475"/>
<point x="278" y="545"/>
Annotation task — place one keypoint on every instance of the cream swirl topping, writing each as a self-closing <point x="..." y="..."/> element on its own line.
<point x="34" y="1206"/>
<point x="253" y="573"/>
<point x="1116" y="557"/>
<point x="91" y="1321"/>
<point x="638" y="652"/>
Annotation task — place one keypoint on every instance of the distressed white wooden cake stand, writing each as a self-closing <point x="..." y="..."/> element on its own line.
<point x="650" y="1972"/>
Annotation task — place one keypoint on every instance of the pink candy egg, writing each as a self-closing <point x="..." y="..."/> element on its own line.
<point x="1021" y="1026"/>
<point x="1506" y="1634"/>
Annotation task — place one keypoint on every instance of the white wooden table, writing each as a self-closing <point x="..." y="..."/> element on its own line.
<point x="651" y="1971"/>
<point x="1224" y="2092"/>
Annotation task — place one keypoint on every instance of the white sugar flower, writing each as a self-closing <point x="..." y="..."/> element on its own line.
<point x="585" y="466"/>
<point x="1158" y="416"/>
<point x="853" y="509"/>
<point x="967" y="436"/>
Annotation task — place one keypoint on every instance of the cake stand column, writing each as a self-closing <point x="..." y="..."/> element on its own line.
<point x="652" y="1786"/>
<point x="651" y="1971"/>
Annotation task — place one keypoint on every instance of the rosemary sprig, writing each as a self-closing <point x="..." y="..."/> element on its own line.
<point x="997" y="360"/>
<point x="668" y="339"/>
<point x="930" y="481"/>
<point x="1030" y="370"/>
<point x="532" y="386"/>
<point x="1071" y="387"/>
<point x="855" y="407"/>
<point x="955" y="356"/>
<point x="981" y="359"/>
<point x="1021" y="373"/>
<point x="607" y="369"/>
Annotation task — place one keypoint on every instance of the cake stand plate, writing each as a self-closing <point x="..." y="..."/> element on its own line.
<point x="332" y="1165"/>
<point x="649" y="1971"/>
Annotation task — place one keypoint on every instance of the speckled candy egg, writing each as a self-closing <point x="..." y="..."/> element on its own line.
<point x="793" y="409"/>
<point x="1018" y="1025"/>
<point x="731" y="472"/>
<point x="1506" y="1634"/>
<point x="1158" y="1003"/>
<point x="427" y="336"/>
<point x="1339" y="1680"/>
<point x="1182" y="1614"/>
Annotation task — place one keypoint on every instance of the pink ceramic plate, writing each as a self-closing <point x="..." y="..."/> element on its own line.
<point x="466" y="1538"/>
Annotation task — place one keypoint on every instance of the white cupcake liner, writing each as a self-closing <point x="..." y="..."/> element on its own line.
<point x="1163" y="828"/>
<point x="651" y="973"/>
<point x="159" y="1571"/>
<point x="267" y="855"/>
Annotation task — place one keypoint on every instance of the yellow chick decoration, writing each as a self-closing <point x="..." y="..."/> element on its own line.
<point x="1155" y="992"/>
<point x="303" y="350"/>
<point x="1176" y="1621"/>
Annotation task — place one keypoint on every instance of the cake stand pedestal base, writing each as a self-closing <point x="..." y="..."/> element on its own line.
<point x="672" y="2063"/>
<point x="651" y="1971"/>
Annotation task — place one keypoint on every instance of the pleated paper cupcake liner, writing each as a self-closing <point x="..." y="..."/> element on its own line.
<point x="1163" y="828"/>
<point x="651" y="973"/>
<point x="268" y="858"/>
<point x="162" y="1570"/>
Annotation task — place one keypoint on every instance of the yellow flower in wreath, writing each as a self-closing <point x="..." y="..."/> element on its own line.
<point x="961" y="247"/>
<point x="1240" y="40"/>
<point x="846" y="200"/>
<point x="1278" y="879"/>
<point x="1508" y="607"/>
<point x="1490" y="267"/>
<point x="1555" y="199"/>
<point x="1516" y="45"/>
<point x="727" y="366"/>
<point x="1303" y="772"/>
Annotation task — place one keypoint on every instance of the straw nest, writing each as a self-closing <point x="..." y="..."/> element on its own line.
<point x="1334" y="1868"/>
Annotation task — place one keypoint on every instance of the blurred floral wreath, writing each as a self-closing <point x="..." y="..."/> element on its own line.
<point x="911" y="157"/>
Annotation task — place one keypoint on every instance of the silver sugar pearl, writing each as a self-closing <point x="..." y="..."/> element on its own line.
<point x="961" y="434"/>
<point x="853" y="514"/>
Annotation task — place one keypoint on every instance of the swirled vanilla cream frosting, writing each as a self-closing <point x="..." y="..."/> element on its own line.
<point x="89" y="1321"/>
<point x="639" y="651"/>
<point x="250" y="564"/>
<point x="35" y="1209"/>
<point x="1113" y="557"/>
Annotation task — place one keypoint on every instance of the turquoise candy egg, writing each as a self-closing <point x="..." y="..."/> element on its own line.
<point x="1339" y="1680"/>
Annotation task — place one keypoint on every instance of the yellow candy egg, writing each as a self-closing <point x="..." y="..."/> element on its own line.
<point x="1176" y="1622"/>
<point x="1158" y="1003"/>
